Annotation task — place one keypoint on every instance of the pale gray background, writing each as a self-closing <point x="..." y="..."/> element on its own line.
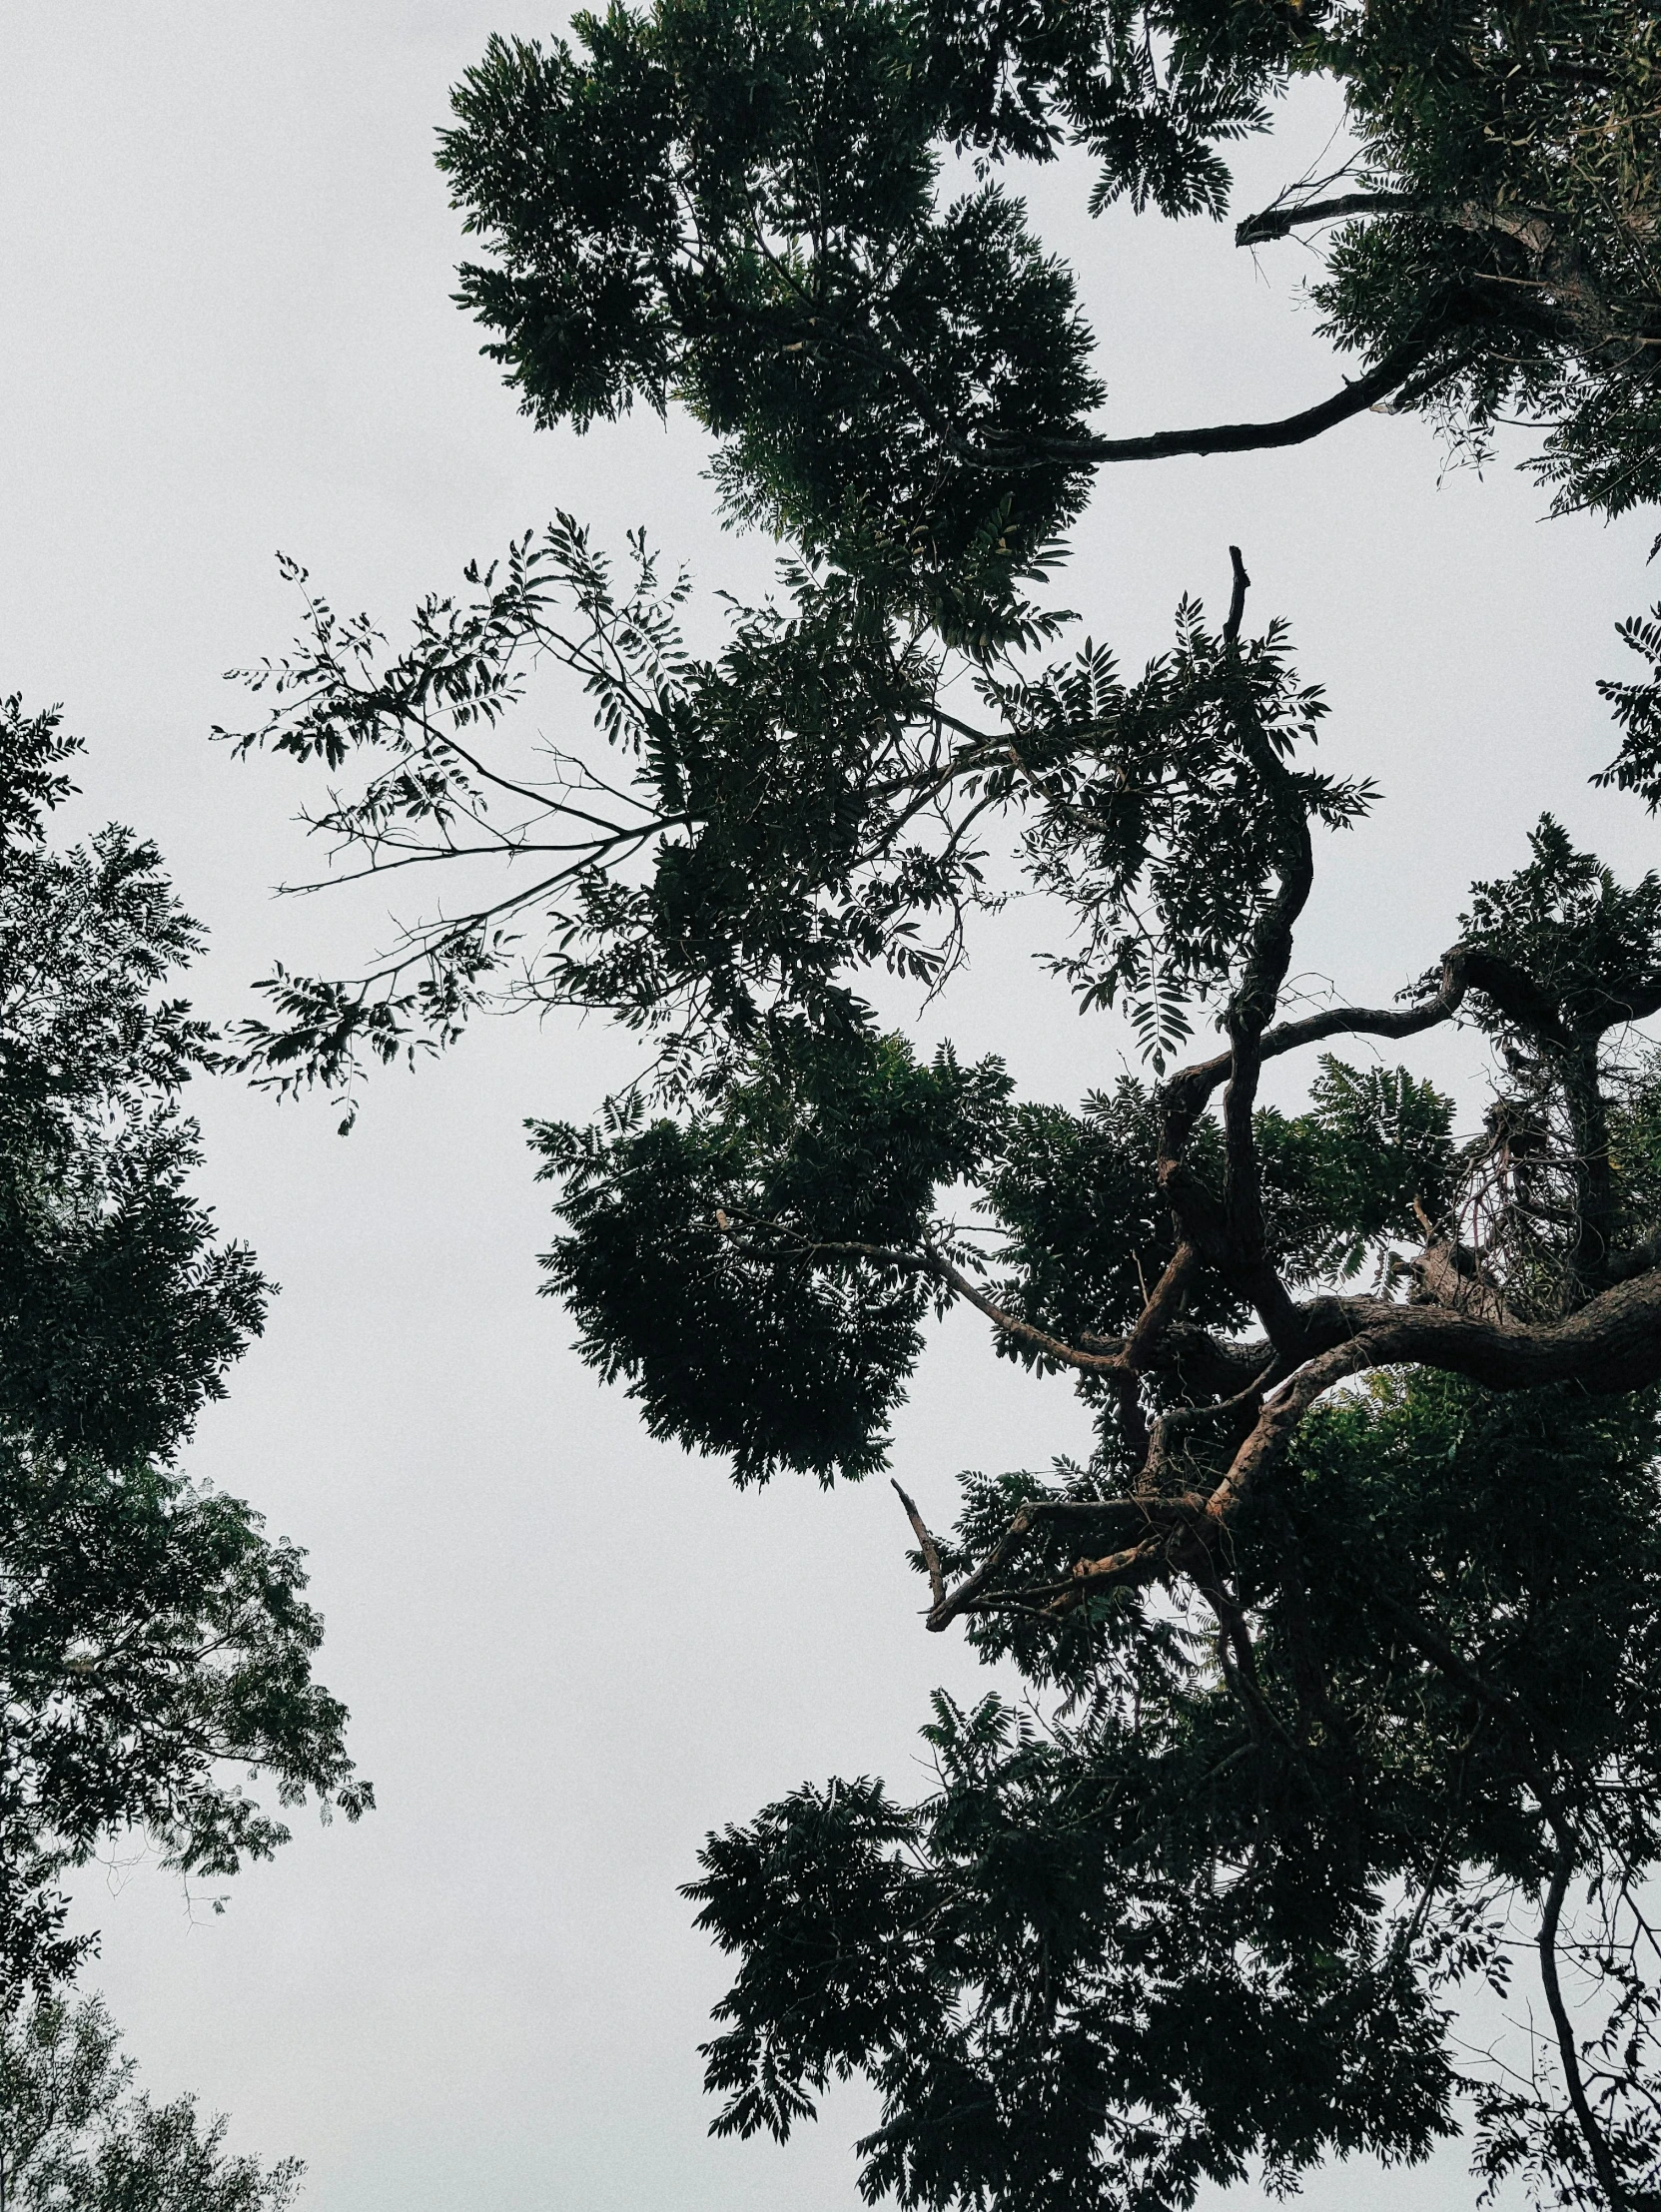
<point x="225" y="266"/>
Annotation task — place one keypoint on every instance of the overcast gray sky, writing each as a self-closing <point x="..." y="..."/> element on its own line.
<point x="225" y="262"/>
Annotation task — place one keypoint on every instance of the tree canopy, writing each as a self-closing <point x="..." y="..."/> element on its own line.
<point x="76" y="2138"/>
<point x="1344" y="1640"/>
<point x="154" y="1642"/>
<point x="797" y="219"/>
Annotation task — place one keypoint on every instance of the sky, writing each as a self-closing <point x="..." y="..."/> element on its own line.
<point x="226" y="261"/>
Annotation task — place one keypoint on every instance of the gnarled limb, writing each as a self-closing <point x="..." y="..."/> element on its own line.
<point x="1611" y="1345"/>
<point x="1251" y="1005"/>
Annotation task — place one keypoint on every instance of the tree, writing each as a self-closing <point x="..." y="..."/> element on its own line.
<point x="74" y="2137"/>
<point x="1345" y="1637"/>
<point x="153" y="1641"/>
<point x="748" y="208"/>
<point x="1356" y="1609"/>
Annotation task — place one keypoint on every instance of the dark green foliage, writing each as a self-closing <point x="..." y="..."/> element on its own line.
<point x="694" y="1257"/>
<point x="1174" y="833"/>
<point x="1113" y="1956"/>
<point x="155" y="1648"/>
<point x="1335" y="1707"/>
<point x="1637" y="714"/>
<point x="744" y="210"/>
<point x="748" y="834"/>
<point x="1585" y="941"/>
<point x="1518" y="144"/>
<point x="737" y="205"/>
<point x="74" y="2137"/>
<point x="118" y="1312"/>
<point x="738" y="1269"/>
<point x="766" y="822"/>
<point x="1340" y="1180"/>
<point x="1083" y="1224"/>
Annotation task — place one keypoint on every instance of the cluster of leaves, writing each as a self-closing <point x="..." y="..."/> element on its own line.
<point x="1636" y="708"/>
<point x="745" y="836"/>
<point x="1586" y="943"/>
<point x="737" y="1268"/>
<point x="747" y="829"/>
<point x="1187" y="1929"/>
<point x="743" y="209"/>
<point x="1513" y="150"/>
<point x="153" y="1641"/>
<point x="1559" y="1180"/>
<point x="154" y="1648"/>
<point x="1154" y="829"/>
<point x="76" y="2138"/>
<point x="118" y="1312"/>
<point x="737" y="205"/>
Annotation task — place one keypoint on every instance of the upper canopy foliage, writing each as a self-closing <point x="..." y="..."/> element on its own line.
<point x="795" y="217"/>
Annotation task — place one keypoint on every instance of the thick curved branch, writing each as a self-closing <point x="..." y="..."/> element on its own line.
<point x="1015" y="452"/>
<point x="1367" y="391"/>
<point x="1251" y="1005"/>
<point x="1277" y="1424"/>
<point x="1197" y="1361"/>
<point x="1611" y="1346"/>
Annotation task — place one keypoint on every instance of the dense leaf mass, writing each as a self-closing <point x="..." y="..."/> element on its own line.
<point x="751" y="210"/>
<point x="118" y="1311"/>
<point x="737" y="205"/>
<point x="1076" y="1198"/>
<point x="155" y="1649"/>
<point x="154" y="1644"/>
<point x="1186" y="1930"/>
<point x="738" y="1269"/>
